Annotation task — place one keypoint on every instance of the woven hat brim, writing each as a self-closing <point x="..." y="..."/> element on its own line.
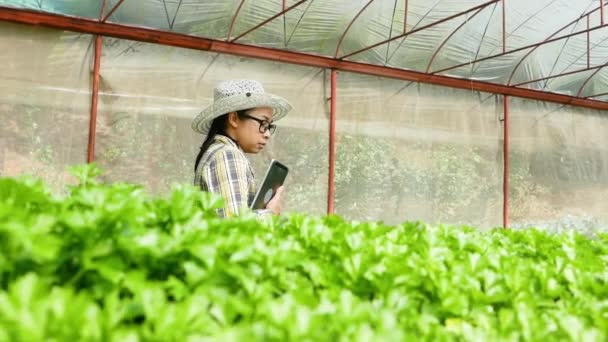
<point x="280" y="108"/>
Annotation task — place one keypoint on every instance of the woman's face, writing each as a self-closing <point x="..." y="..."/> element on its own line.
<point x="249" y="130"/>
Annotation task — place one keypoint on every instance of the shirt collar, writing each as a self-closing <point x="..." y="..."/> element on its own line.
<point x="226" y="140"/>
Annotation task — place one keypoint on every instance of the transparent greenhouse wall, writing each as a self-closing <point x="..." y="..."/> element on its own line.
<point x="405" y="151"/>
<point x="559" y="166"/>
<point x="149" y="95"/>
<point x="408" y="151"/>
<point x="45" y="99"/>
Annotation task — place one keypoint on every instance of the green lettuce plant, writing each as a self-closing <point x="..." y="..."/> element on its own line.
<point x="109" y="262"/>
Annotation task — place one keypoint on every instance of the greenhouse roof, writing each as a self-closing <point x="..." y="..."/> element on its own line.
<point x="534" y="49"/>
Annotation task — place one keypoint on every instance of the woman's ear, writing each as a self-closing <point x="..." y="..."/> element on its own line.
<point x="233" y="120"/>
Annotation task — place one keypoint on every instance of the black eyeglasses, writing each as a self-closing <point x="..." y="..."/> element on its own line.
<point x="265" y="125"/>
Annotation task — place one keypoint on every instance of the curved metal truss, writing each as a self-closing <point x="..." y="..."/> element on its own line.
<point x="365" y="17"/>
<point x="348" y="62"/>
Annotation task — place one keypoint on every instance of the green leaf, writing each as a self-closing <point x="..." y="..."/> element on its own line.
<point x="110" y="262"/>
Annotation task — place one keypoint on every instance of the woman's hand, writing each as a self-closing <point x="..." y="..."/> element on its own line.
<point x="275" y="203"/>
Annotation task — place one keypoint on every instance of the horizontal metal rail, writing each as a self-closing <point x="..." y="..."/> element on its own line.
<point x="95" y="27"/>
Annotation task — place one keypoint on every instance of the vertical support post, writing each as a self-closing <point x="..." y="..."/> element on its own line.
<point x="103" y="9"/>
<point x="332" y="144"/>
<point x="505" y="181"/>
<point x="95" y="92"/>
<point x="94" y="97"/>
<point x="588" y="42"/>
<point x="504" y="27"/>
<point x="284" y="25"/>
<point x="602" y="12"/>
<point x="405" y="17"/>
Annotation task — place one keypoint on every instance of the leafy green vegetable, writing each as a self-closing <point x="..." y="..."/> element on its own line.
<point x="112" y="263"/>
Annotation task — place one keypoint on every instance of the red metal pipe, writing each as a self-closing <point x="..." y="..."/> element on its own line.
<point x="580" y="90"/>
<point x="596" y="95"/>
<point x="504" y="28"/>
<point x="236" y="14"/>
<point x="89" y="26"/>
<point x="505" y="181"/>
<point x="112" y="11"/>
<point x="94" y="97"/>
<point x="95" y="91"/>
<point x="588" y="46"/>
<point x="428" y="67"/>
<point x="505" y="148"/>
<point x="103" y="9"/>
<point x="268" y="20"/>
<point x="407" y="75"/>
<point x="349" y="25"/>
<point x="520" y="49"/>
<point x="562" y="74"/>
<point x="332" y="144"/>
<point x="405" y="16"/>
<point x="420" y="28"/>
<point x="284" y="24"/>
<point x="548" y="38"/>
<point x="601" y="12"/>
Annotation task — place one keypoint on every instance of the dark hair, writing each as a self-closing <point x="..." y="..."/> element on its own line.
<point x="218" y="126"/>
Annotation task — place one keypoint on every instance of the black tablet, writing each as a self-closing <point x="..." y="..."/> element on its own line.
<point x="274" y="178"/>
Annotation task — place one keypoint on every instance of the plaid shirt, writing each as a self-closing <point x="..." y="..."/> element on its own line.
<point x="225" y="170"/>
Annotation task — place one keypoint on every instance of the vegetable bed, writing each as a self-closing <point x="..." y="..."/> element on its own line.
<point x="109" y="262"/>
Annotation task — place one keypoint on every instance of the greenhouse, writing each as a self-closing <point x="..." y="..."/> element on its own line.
<point x="430" y="100"/>
<point x="448" y="171"/>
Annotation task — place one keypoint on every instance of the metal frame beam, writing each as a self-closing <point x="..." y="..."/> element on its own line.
<point x="103" y="9"/>
<point x="95" y="86"/>
<point x="596" y="95"/>
<point x="420" y="28"/>
<point x="184" y="41"/>
<point x="106" y="17"/>
<point x="534" y="46"/>
<point x="428" y="67"/>
<point x="597" y="67"/>
<point x="580" y="90"/>
<point x="332" y="144"/>
<point x="348" y="27"/>
<point x="233" y="20"/>
<point x="94" y="100"/>
<point x="587" y="14"/>
<point x="588" y="46"/>
<point x="520" y="49"/>
<point x="405" y="10"/>
<point x="506" y="163"/>
<point x="282" y="13"/>
<point x="505" y="123"/>
<point x="601" y="12"/>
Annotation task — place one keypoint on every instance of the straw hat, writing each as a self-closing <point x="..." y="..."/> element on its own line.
<point x="234" y="95"/>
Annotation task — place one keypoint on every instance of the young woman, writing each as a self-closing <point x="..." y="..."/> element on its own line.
<point x="240" y="120"/>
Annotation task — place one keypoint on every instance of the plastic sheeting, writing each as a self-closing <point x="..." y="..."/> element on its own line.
<point x="341" y="27"/>
<point x="45" y="100"/>
<point x="405" y="151"/>
<point x="417" y="152"/>
<point x="559" y="165"/>
<point x="80" y="8"/>
<point x="149" y="95"/>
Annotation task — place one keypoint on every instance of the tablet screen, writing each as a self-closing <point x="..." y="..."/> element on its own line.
<point x="274" y="178"/>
